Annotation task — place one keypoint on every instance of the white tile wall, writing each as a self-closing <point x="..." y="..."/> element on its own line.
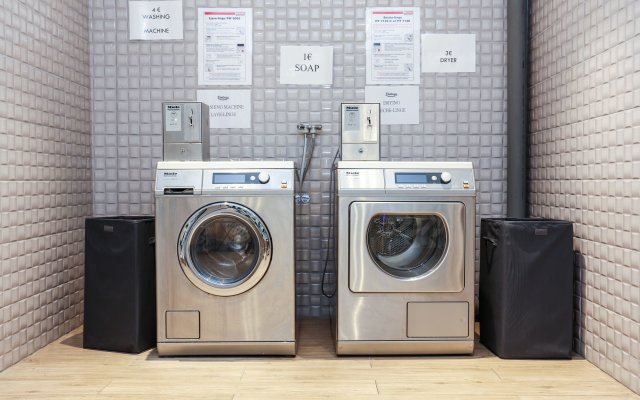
<point x="585" y="164"/>
<point x="45" y="189"/>
<point x="462" y="114"/>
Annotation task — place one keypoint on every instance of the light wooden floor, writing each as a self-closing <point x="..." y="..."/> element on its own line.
<point x="63" y="370"/>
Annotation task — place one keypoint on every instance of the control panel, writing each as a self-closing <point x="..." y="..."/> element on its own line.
<point x="429" y="180"/>
<point x="268" y="179"/>
<point x="394" y="176"/>
<point x="186" y="182"/>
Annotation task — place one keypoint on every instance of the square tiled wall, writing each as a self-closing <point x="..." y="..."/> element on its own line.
<point x="585" y="164"/>
<point x="45" y="171"/>
<point x="462" y="115"/>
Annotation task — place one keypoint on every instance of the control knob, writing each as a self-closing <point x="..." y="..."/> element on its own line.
<point x="445" y="177"/>
<point x="263" y="177"/>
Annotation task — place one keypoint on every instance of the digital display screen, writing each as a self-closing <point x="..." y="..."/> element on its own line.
<point x="229" y="178"/>
<point x="411" y="178"/>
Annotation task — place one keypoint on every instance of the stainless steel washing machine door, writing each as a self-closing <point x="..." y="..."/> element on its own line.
<point x="224" y="249"/>
<point x="406" y="247"/>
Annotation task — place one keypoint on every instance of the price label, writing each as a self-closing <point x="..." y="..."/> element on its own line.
<point x="155" y="20"/>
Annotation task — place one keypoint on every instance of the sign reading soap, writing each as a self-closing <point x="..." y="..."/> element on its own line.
<point x="306" y="65"/>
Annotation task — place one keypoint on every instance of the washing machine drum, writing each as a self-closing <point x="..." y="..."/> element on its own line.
<point x="406" y="245"/>
<point x="224" y="249"/>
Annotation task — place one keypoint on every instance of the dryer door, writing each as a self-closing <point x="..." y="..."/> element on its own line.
<point x="406" y="247"/>
<point x="224" y="249"/>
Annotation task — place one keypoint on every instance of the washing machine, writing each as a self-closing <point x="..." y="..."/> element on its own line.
<point x="405" y="258"/>
<point x="225" y="258"/>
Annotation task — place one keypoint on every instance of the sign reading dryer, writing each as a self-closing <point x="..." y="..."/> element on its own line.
<point x="306" y="65"/>
<point x="448" y="52"/>
<point x="399" y="105"/>
<point x="155" y="20"/>
<point x="227" y="108"/>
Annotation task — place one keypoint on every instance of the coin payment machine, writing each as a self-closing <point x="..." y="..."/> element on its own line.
<point x="185" y="131"/>
<point x="360" y="131"/>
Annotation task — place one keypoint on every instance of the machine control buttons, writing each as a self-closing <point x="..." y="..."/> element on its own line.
<point x="445" y="177"/>
<point x="465" y="184"/>
<point x="252" y="178"/>
<point x="263" y="177"/>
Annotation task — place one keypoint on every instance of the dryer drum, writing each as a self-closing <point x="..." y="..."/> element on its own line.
<point x="406" y="246"/>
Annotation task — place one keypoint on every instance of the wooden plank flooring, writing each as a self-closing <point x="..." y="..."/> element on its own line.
<point x="63" y="370"/>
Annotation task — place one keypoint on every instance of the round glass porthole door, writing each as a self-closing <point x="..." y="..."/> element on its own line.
<point x="406" y="245"/>
<point x="224" y="249"/>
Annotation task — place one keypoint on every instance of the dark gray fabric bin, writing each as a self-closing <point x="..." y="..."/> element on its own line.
<point x="526" y="287"/>
<point x="119" y="289"/>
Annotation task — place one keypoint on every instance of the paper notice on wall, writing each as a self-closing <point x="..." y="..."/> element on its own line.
<point x="225" y="46"/>
<point x="399" y="105"/>
<point x="393" y="45"/>
<point x="448" y="52"/>
<point x="155" y="20"/>
<point x="306" y="65"/>
<point x="227" y="108"/>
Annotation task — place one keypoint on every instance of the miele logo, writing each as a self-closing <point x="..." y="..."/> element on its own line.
<point x="170" y="107"/>
<point x="223" y="98"/>
<point x="170" y="174"/>
<point x="352" y="173"/>
<point x="391" y="94"/>
<point x="352" y="108"/>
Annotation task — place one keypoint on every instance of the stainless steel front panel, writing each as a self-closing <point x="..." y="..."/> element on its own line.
<point x="370" y="272"/>
<point x="390" y="347"/>
<point x="376" y="322"/>
<point x="201" y="348"/>
<point x="264" y="313"/>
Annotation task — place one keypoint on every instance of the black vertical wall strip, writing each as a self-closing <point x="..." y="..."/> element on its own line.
<point x="517" y="106"/>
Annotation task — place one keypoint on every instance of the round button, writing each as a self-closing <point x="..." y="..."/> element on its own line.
<point x="445" y="177"/>
<point x="263" y="177"/>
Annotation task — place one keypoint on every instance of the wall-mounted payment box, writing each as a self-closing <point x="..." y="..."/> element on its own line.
<point x="360" y="124"/>
<point x="185" y="131"/>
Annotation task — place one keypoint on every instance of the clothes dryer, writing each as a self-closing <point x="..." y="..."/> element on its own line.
<point x="405" y="258"/>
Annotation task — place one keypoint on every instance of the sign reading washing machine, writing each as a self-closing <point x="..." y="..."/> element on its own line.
<point x="155" y="20"/>
<point x="227" y="108"/>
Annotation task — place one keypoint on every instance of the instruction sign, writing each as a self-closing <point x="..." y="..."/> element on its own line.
<point x="393" y="46"/>
<point x="225" y="46"/>
<point x="155" y="20"/>
<point x="306" y="65"/>
<point x="399" y="105"/>
<point x="448" y="52"/>
<point x="227" y="108"/>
